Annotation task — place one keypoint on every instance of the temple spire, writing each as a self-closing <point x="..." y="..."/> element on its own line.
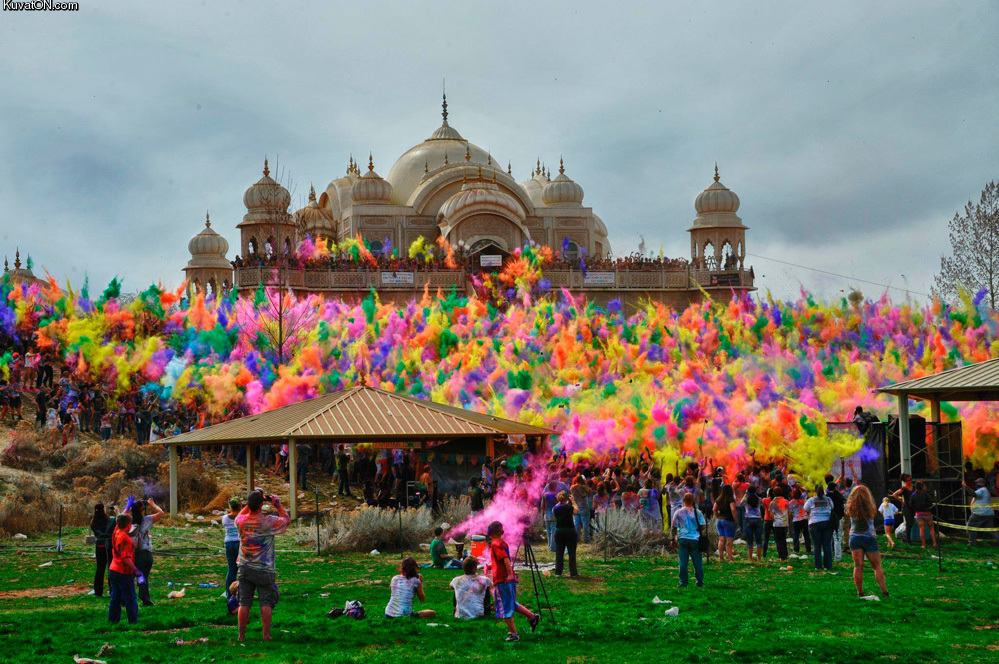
<point x="444" y="102"/>
<point x="717" y="177"/>
<point x="561" y="165"/>
<point x="312" y="193"/>
<point x="208" y="220"/>
<point x="17" y="259"/>
<point x="267" y="168"/>
<point x="468" y="153"/>
<point x="509" y="169"/>
<point x="371" y="163"/>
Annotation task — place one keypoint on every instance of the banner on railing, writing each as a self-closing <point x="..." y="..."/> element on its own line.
<point x="397" y="278"/>
<point x="599" y="279"/>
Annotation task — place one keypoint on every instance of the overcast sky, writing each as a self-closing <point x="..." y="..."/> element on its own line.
<point x="851" y="131"/>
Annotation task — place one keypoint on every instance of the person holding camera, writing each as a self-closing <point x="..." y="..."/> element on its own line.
<point x="688" y="524"/>
<point x="256" y="572"/>
<point x="143" y="541"/>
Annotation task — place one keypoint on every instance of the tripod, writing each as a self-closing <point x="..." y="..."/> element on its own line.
<point x="532" y="564"/>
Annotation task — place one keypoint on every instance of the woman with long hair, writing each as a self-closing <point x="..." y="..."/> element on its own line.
<point x="754" y="523"/>
<point x="406" y="585"/>
<point x="142" y="523"/>
<point x="231" y="540"/>
<point x="726" y="511"/>
<point x="860" y="510"/>
<point x="102" y="527"/>
<point x="922" y="505"/>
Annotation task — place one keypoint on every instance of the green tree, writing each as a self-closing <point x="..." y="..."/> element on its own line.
<point x="974" y="244"/>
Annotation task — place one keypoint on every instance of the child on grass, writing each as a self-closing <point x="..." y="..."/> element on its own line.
<point x="404" y="586"/>
<point x="888" y="512"/>
<point x="505" y="582"/>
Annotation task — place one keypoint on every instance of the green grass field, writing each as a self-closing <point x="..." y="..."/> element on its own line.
<point x="745" y="613"/>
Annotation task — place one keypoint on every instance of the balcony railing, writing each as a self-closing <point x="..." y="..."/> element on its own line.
<point x="365" y="280"/>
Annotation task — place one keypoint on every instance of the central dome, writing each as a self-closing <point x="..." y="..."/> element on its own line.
<point x="409" y="170"/>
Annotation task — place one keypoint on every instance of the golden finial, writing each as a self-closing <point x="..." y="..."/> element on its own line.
<point x="717" y="177"/>
<point x="17" y="259"/>
<point x="444" y="103"/>
<point x="445" y="158"/>
<point x="426" y="167"/>
<point x="489" y="157"/>
<point x="350" y="165"/>
<point x="509" y="169"/>
<point x="561" y="166"/>
<point x="468" y="153"/>
<point x="371" y="163"/>
<point x="312" y="193"/>
<point x="267" y="168"/>
<point x="537" y="167"/>
<point x="208" y="220"/>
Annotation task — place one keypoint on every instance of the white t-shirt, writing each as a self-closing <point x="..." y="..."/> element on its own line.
<point x="401" y="602"/>
<point x="983" y="503"/>
<point x="888" y="511"/>
<point x="470" y="595"/>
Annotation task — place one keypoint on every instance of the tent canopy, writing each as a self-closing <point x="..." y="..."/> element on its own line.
<point x="973" y="382"/>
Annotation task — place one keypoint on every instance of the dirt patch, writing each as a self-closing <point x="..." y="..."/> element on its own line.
<point x="49" y="592"/>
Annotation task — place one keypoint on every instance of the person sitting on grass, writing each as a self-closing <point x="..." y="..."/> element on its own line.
<point x="505" y="582"/>
<point x="863" y="538"/>
<point x="122" y="573"/>
<point x="471" y="596"/>
<point x="404" y="586"/>
<point x="439" y="558"/>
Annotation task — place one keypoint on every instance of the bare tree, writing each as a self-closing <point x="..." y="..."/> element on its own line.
<point x="974" y="242"/>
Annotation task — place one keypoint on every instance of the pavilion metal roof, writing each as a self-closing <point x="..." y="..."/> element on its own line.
<point x="360" y="414"/>
<point x="973" y="382"/>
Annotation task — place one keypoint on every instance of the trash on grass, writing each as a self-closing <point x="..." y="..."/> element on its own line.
<point x="675" y="611"/>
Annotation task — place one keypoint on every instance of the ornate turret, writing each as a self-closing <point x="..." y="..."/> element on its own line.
<point x="717" y="235"/>
<point x="267" y="228"/>
<point x="208" y="270"/>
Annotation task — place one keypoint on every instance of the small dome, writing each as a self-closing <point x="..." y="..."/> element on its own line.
<point x="208" y="242"/>
<point x="313" y="219"/>
<point x="717" y="199"/>
<point x="480" y="195"/>
<point x="601" y="227"/>
<point x="371" y="187"/>
<point x="535" y="185"/>
<point x="562" y="190"/>
<point x="266" y="194"/>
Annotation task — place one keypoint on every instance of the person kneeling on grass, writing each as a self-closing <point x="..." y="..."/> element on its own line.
<point x="404" y="586"/>
<point x="471" y="596"/>
<point x="505" y="582"/>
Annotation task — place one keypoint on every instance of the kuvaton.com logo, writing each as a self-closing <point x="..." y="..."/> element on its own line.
<point x="40" y="6"/>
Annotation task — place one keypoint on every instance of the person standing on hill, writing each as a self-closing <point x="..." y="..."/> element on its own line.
<point x="256" y="570"/>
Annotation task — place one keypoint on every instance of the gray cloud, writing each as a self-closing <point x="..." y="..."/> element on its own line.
<point x="850" y="133"/>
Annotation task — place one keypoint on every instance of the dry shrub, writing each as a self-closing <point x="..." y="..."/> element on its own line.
<point x="30" y="507"/>
<point x="26" y="451"/>
<point x="367" y="528"/>
<point x="454" y="509"/>
<point x="625" y="533"/>
<point x="219" y="503"/>
<point x="106" y="459"/>
<point x="196" y="486"/>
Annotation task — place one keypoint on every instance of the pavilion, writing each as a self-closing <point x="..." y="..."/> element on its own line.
<point x="973" y="382"/>
<point x="358" y="415"/>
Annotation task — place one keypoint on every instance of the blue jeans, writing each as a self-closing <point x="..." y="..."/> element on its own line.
<point x="231" y="553"/>
<point x="582" y="523"/>
<point x="550" y="529"/>
<point x="690" y="549"/>
<point x="822" y="544"/>
<point x="122" y="594"/>
<point x="741" y="521"/>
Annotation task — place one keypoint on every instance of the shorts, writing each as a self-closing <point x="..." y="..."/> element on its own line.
<point x="726" y="528"/>
<point x="262" y="582"/>
<point x="506" y="599"/>
<point x="753" y="532"/>
<point x="924" y="516"/>
<point x="889" y="523"/>
<point x="864" y="543"/>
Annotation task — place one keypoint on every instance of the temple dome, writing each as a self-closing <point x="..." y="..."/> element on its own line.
<point x="371" y="187"/>
<point x="208" y="248"/>
<point x="266" y="194"/>
<point x="535" y="185"/>
<point x="409" y="170"/>
<point x="314" y="220"/>
<point x="562" y="190"/>
<point x="716" y="199"/>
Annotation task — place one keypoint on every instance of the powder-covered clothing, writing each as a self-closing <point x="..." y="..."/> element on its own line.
<point x="142" y="537"/>
<point x="122" y="552"/>
<point x="231" y="529"/>
<point x="256" y="536"/>
<point x="401" y="602"/>
<point x="797" y="509"/>
<point x="819" y="509"/>
<point x="498" y="553"/>
<point x="862" y="528"/>
<point x="687" y="520"/>
<point x="778" y="508"/>
<point x="982" y="505"/>
<point x="470" y="595"/>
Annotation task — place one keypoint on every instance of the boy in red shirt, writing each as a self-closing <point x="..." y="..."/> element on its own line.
<point x="122" y="572"/>
<point x="505" y="583"/>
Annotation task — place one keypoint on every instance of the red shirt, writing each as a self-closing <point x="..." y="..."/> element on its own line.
<point x="499" y="552"/>
<point x="122" y="551"/>
<point x="767" y="514"/>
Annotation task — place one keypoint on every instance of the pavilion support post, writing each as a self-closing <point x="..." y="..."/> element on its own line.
<point x="935" y="427"/>
<point x="904" y="450"/>
<point x="293" y="477"/>
<point x="935" y="410"/>
<point x="173" y="480"/>
<point x="250" y="461"/>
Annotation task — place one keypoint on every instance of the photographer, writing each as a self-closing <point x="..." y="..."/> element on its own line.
<point x="256" y="572"/>
<point x="143" y="542"/>
<point x="103" y="528"/>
